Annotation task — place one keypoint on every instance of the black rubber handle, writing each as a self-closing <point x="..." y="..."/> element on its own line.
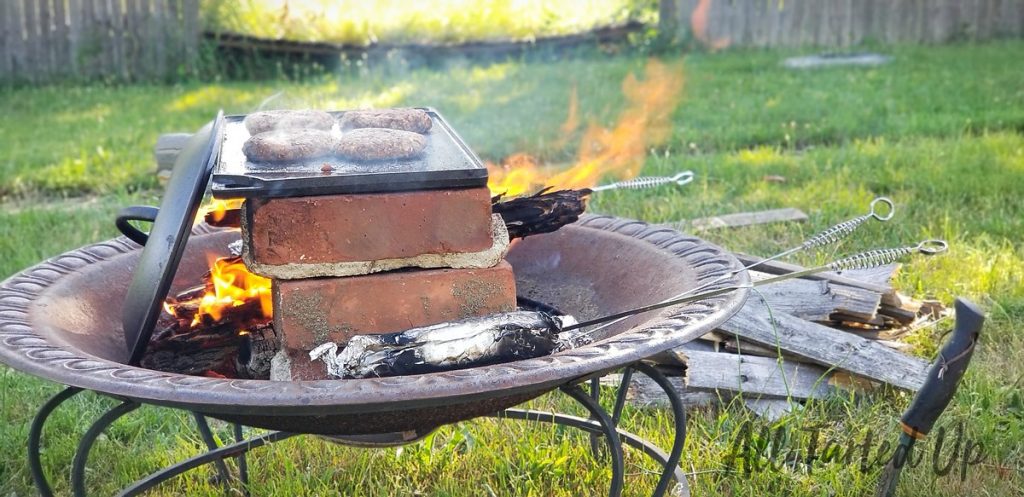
<point x="947" y="371"/>
<point x="135" y="213"/>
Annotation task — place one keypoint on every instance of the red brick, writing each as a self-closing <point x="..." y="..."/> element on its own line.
<point x="368" y="227"/>
<point x="298" y="367"/>
<point x="310" y="312"/>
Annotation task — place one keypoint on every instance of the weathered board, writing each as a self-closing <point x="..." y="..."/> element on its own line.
<point x="826" y="346"/>
<point x="755" y="377"/>
<point x="838" y="23"/>
<point x="48" y="40"/>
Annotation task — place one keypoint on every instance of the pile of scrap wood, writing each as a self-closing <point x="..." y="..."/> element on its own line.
<point x="800" y="339"/>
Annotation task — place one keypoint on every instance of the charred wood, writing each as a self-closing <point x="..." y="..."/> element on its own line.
<point x="542" y="212"/>
<point x="230" y="218"/>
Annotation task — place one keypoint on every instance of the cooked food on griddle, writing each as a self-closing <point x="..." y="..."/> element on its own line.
<point x="380" y="144"/>
<point x="289" y="145"/>
<point x="271" y="120"/>
<point x="414" y="120"/>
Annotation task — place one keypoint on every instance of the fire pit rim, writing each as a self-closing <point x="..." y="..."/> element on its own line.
<point x="27" y="351"/>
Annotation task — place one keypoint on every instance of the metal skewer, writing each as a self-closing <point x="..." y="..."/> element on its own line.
<point x="826" y="237"/>
<point x="863" y="260"/>
<point x="647" y="182"/>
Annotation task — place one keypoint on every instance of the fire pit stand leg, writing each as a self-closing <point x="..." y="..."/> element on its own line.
<point x="85" y="444"/>
<point x="35" y="433"/>
<point x="243" y="465"/>
<point x="669" y="461"/>
<point x="223" y="476"/>
<point x="610" y="433"/>
<point x="679" y="419"/>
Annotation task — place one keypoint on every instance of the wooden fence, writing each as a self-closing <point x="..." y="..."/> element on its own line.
<point x="839" y="23"/>
<point x="122" y="40"/>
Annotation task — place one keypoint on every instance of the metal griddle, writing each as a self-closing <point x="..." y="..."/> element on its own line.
<point x="446" y="163"/>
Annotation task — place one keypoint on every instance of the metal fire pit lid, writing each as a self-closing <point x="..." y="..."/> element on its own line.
<point x="446" y="163"/>
<point x="28" y="341"/>
<point x="160" y="256"/>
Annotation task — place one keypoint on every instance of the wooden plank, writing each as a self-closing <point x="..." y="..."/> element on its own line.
<point x="817" y="300"/>
<point x="752" y="376"/>
<point x="76" y="18"/>
<point x="780" y="267"/>
<point x="116" y="13"/>
<point x="741" y="219"/>
<point x="46" y="45"/>
<point x="5" y="33"/>
<point x="32" y="42"/>
<point x="881" y="275"/>
<point x="60" y="37"/>
<point x="159" y="37"/>
<point x="645" y="393"/>
<point x="191" y="33"/>
<point x="770" y="409"/>
<point x="132" y="46"/>
<point x="825" y="346"/>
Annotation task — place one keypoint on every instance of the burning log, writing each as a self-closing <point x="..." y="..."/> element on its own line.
<point x="221" y="351"/>
<point x="231" y="218"/>
<point x="219" y="328"/>
<point x="542" y="212"/>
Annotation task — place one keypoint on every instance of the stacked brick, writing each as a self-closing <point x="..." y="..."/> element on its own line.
<point x="352" y="264"/>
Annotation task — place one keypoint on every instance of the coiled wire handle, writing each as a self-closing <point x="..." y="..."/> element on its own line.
<point x="881" y="257"/>
<point x="863" y="260"/>
<point x="845" y="228"/>
<point x="647" y="182"/>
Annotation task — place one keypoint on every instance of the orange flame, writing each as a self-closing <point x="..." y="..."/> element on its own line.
<point x="218" y="208"/>
<point x="233" y="286"/>
<point x="617" y="152"/>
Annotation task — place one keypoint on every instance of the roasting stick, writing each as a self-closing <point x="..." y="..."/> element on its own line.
<point x="644" y="182"/>
<point x="516" y="335"/>
<point x="863" y="260"/>
<point x="822" y="239"/>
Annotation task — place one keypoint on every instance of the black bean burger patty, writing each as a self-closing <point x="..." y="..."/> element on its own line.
<point x="289" y="145"/>
<point x="270" y="120"/>
<point x="380" y="144"/>
<point x="414" y="120"/>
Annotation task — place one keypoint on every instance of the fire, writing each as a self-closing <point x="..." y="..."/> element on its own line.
<point x="218" y="208"/>
<point x="231" y="285"/>
<point x="616" y="152"/>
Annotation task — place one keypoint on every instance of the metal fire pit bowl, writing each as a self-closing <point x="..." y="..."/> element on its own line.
<point x="61" y="320"/>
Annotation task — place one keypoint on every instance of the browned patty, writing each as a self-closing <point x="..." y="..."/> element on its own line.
<point x="414" y="120"/>
<point x="288" y="145"/>
<point x="269" y="120"/>
<point x="380" y="144"/>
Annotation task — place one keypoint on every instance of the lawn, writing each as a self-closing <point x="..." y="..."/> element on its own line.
<point x="940" y="130"/>
<point x="396" y="21"/>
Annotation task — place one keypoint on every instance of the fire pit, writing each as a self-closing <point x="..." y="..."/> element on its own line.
<point x="62" y="320"/>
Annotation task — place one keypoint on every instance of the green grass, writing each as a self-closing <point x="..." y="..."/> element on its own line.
<point x="395" y="21"/>
<point x="941" y="131"/>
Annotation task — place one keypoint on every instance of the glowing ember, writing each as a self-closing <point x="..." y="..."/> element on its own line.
<point x="617" y="153"/>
